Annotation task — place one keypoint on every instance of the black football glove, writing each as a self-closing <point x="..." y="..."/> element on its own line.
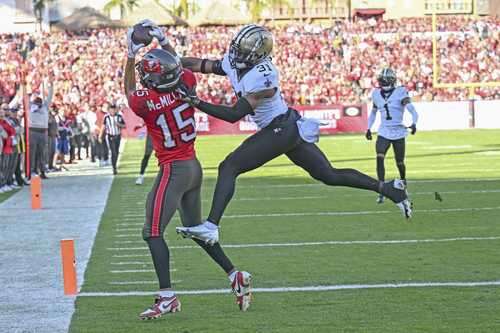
<point x="413" y="128"/>
<point x="188" y="95"/>
<point x="368" y="135"/>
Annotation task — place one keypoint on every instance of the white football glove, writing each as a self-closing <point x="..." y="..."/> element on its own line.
<point x="156" y="31"/>
<point x="133" y="49"/>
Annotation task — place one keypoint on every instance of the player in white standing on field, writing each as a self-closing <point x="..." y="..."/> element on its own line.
<point x="391" y="102"/>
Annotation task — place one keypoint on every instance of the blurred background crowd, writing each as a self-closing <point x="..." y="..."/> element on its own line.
<point x="318" y="65"/>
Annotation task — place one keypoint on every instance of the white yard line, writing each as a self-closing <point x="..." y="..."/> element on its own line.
<point x="455" y="180"/>
<point x="364" y="194"/>
<point x="123" y="263"/>
<point x="122" y="271"/>
<point x="307" y="288"/>
<point x="127" y="229"/>
<point x="368" y="212"/>
<point x="349" y="213"/>
<point x="131" y="255"/>
<point x="125" y="283"/>
<point x="332" y="242"/>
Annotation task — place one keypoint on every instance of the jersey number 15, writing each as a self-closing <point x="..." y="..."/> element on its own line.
<point x="169" y="141"/>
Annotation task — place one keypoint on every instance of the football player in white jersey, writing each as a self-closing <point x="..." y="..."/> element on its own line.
<point x="391" y="102"/>
<point x="255" y="80"/>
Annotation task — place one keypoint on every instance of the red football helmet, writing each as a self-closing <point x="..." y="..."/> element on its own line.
<point x="160" y="70"/>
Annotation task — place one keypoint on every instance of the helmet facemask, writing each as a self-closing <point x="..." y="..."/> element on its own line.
<point x="387" y="79"/>
<point x="250" y="46"/>
<point x="158" y="73"/>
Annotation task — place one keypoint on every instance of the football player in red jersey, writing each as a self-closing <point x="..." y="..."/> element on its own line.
<point x="171" y="125"/>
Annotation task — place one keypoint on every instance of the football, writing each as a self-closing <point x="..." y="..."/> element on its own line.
<point x="141" y="35"/>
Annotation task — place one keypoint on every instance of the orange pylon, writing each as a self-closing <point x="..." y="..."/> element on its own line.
<point x="36" y="192"/>
<point x="68" y="266"/>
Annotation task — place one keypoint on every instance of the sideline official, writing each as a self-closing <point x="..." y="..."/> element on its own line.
<point x="113" y="124"/>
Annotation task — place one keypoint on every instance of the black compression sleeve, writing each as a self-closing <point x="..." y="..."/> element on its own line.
<point x="217" y="68"/>
<point x="227" y="113"/>
<point x="203" y="67"/>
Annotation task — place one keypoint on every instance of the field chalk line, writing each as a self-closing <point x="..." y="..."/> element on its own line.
<point x="339" y="213"/>
<point x="305" y="288"/>
<point x="354" y="242"/>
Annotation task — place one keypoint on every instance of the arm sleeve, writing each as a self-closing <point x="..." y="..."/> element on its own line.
<point x="371" y="117"/>
<point x="227" y="113"/>
<point x="217" y="68"/>
<point x="50" y="95"/>
<point x="414" y="115"/>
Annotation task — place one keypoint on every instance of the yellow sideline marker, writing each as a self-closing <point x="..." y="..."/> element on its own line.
<point x="69" y="266"/>
<point x="36" y="192"/>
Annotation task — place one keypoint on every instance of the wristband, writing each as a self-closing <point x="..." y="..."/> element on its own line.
<point x="203" y="66"/>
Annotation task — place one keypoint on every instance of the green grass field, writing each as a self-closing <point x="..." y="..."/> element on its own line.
<point x="464" y="166"/>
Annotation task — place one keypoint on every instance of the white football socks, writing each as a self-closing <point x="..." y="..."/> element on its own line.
<point x="232" y="276"/>
<point x="167" y="293"/>
<point x="210" y="225"/>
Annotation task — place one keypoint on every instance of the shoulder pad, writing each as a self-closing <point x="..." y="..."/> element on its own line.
<point x="261" y="77"/>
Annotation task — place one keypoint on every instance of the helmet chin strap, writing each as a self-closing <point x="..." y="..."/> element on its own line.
<point x="387" y="88"/>
<point x="240" y="65"/>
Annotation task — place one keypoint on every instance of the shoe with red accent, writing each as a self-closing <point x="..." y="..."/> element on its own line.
<point x="162" y="305"/>
<point x="241" y="285"/>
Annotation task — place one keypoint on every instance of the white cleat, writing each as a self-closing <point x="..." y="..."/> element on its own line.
<point x="380" y="199"/>
<point x="242" y="288"/>
<point x="396" y="191"/>
<point x="161" y="306"/>
<point x="139" y="180"/>
<point x="406" y="207"/>
<point x="204" y="232"/>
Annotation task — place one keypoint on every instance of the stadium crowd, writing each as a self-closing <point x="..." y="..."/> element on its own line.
<point x="337" y="64"/>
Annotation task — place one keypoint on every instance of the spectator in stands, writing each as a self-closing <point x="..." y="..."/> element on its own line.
<point x="85" y="133"/>
<point x="7" y="151"/>
<point x="53" y="132"/>
<point x="64" y="133"/>
<point x="38" y="132"/>
<point x="90" y="118"/>
<point x="19" y="146"/>
<point x="3" y="136"/>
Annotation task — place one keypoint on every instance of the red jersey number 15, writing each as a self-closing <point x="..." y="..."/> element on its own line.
<point x="169" y="141"/>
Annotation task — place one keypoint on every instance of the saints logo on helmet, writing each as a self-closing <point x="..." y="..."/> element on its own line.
<point x="251" y="45"/>
<point x="159" y="70"/>
<point x="387" y="79"/>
